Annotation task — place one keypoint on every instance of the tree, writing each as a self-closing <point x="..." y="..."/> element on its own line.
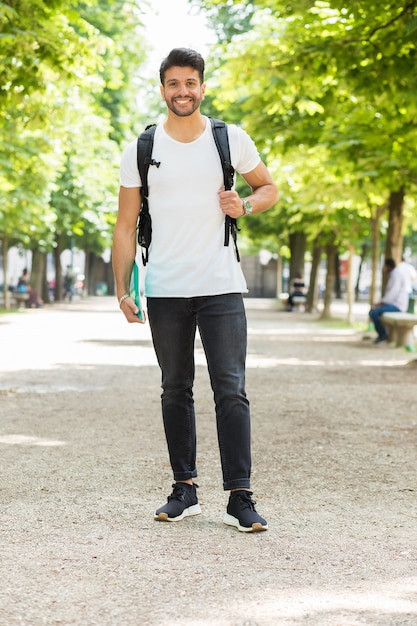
<point x="331" y="75"/>
<point x="83" y="58"/>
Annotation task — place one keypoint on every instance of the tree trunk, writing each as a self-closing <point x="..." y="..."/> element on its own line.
<point x="330" y="278"/>
<point x="364" y="252"/>
<point x="313" y="288"/>
<point x="297" y="243"/>
<point x="6" y="292"/>
<point x="111" y="290"/>
<point x="375" y="220"/>
<point x="337" y="281"/>
<point x="37" y="270"/>
<point x="88" y="284"/>
<point x="350" y="287"/>
<point x="59" y="282"/>
<point x="279" y="274"/>
<point x="45" y="287"/>
<point x="394" y="240"/>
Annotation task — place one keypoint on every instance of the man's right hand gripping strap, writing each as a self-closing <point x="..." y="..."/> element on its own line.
<point x="221" y="140"/>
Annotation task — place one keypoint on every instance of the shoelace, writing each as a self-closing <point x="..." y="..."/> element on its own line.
<point x="246" y="501"/>
<point x="178" y="493"/>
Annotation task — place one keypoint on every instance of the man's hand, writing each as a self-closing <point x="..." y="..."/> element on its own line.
<point x="230" y="203"/>
<point x="130" y="311"/>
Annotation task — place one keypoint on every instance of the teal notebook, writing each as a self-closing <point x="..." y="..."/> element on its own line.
<point x="135" y="289"/>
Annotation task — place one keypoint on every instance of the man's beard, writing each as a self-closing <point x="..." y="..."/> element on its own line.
<point x="182" y="111"/>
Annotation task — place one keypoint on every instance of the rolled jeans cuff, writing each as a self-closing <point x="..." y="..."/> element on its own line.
<point x="238" y="483"/>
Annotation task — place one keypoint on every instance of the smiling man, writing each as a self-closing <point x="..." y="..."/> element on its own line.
<point x="182" y="91"/>
<point x="194" y="280"/>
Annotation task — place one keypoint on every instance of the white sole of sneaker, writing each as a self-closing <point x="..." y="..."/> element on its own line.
<point x="192" y="510"/>
<point x="233" y="521"/>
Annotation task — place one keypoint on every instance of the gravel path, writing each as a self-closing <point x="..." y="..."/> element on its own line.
<point x="84" y="465"/>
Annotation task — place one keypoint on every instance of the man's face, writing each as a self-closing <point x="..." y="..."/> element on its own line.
<point x="182" y="90"/>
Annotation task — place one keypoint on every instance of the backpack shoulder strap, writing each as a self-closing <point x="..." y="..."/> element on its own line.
<point x="221" y="139"/>
<point x="144" y="160"/>
<point x="144" y="156"/>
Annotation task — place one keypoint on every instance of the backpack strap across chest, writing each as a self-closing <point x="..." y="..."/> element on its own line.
<point x="144" y="160"/>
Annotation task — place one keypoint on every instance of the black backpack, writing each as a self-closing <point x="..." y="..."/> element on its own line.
<point x="144" y="159"/>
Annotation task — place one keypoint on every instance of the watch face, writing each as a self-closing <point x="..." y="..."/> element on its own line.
<point x="248" y="207"/>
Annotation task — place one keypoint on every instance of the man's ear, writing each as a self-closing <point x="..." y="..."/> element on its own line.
<point x="162" y="91"/>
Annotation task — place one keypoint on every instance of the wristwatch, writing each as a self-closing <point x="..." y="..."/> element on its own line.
<point x="247" y="207"/>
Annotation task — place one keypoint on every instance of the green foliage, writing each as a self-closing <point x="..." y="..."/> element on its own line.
<point x="326" y="89"/>
<point x="40" y="37"/>
<point x="68" y="77"/>
<point x="122" y="50"/>
<point x="227" y="19"/>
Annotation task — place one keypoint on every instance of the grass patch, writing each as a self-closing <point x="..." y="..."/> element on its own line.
<point x="338" y="322"/>
<point x="7" y="392"/>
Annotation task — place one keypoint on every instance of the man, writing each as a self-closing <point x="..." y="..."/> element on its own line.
<point x="194" y="281"/>
<point x="395" y="298"/>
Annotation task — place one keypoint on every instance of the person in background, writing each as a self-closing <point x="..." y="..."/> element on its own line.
<point x="23" y="282"/>
<point x="298" y="289"/>
<point x="24" y="285"/>
<point x="395" y="299"/>
<point x="193" y="280"/>
<point x="69" y="282"/>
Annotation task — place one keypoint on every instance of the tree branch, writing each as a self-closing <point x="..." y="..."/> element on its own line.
<point x="408" y="6"/>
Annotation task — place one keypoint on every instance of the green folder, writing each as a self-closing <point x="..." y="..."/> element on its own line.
<point x="135" y="289"/>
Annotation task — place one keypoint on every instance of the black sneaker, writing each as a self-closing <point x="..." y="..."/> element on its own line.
<point x="241" y="513"/>
<point x="182" y="502"/>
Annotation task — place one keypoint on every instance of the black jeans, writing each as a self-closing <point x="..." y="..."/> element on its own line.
<point x="221" y="321"/>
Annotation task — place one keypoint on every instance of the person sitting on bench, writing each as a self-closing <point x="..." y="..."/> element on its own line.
<point x="395" y="299"/>
<point x="24" y="286"/>
<point x="298" y="289"/>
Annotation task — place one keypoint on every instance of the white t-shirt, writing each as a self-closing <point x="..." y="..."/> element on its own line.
<point x="396" y="290"/>
<point x="187" y="257"/>
<point x="409" y="274"/>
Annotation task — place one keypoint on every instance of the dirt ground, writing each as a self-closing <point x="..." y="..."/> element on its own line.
<point x="84" y="465"/>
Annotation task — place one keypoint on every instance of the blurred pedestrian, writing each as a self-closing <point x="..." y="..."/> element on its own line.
<point x="69" y="282"/>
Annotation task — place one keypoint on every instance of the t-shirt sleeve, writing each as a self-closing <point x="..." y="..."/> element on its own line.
<point x="244" y="154"/>
<point x="129" y="173"/>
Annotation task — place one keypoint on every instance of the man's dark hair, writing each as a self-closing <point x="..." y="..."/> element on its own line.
<point x="182" y="57"/>
<point x="390" y="263"/>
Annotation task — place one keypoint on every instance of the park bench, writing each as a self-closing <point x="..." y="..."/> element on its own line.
<point x="21" y="297"/>
<point x="400" y="328"/>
